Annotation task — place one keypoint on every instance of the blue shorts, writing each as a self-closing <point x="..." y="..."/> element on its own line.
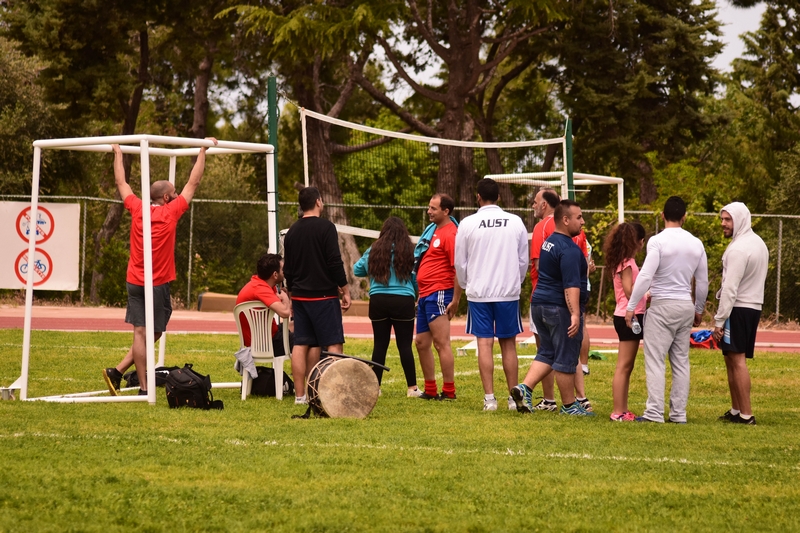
<point x="317" y="322"/>
<point x="488" y="320"/>
<point x="556" y="348"/>
<point x="432" y="307"/>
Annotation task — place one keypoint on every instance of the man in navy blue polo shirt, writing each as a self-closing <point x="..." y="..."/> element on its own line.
<point x="557" y="311"/>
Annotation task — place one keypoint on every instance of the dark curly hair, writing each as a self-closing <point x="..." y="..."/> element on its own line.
<point x="622" y="243"/>
<point x="394" y="238"/>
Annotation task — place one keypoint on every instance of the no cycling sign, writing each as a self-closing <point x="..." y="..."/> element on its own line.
<point x="42" y="267"/>
<point x="55" y="261"/>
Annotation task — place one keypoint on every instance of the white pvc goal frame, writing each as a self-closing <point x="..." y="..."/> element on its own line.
<point x="555" y="179"/>
<point x="539" y="179"/>
<point x="134" y="144"/>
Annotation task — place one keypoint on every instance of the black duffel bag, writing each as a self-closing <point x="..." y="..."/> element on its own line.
<point x="187" y="388"/>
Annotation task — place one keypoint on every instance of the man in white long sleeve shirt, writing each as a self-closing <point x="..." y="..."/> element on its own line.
<point x="491" y="261"/>
<point x="674" y="257"/>
<point x="744" y="271"/>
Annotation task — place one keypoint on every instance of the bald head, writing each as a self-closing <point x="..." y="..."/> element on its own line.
<point x="162" y="192"/>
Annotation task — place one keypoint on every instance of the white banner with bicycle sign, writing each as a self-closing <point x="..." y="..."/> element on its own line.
<point x="55" y="264"/>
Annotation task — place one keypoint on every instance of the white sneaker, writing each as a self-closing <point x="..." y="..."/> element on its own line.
<point x="512" y="405"/>
<point x="301" y="400"/>
<point x="491" y="405"/>
<point x="414" y="393"/>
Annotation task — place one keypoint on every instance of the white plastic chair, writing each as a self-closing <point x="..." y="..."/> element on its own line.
<point x="260" y="320"/>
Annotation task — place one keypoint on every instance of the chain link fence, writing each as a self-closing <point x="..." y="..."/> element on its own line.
<point x="219" y="241"/>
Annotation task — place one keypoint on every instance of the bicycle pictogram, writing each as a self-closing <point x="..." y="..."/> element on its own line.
<point x="42" y="267"/>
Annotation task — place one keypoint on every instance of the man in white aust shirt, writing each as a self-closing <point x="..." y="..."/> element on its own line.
<point x="491" y="260"/>
<point x="674" y="257"/>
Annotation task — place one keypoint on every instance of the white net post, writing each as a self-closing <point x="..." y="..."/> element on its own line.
<point x="26" y="336"/>
<point x="144" y="158"/>
<point x="272" y="204"/>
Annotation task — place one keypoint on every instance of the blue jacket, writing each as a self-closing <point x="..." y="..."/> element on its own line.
<point x="395" y="286"/>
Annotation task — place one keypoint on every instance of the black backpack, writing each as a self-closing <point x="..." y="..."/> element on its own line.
<point x="187" y="388"/>
<point x="264" y="384"/>
<point x="132" y="377"/>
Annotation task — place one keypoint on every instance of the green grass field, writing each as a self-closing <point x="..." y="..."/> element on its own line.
<point x="411" y="466"/>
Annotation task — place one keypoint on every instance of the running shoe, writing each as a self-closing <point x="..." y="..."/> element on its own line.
<point x="414" y="393"/>
<point x="445" y="398"/>
<point x="575" y="410"/>
<point x="585" y="403"/>
<point x="546" y="405"/>
<point x="426" y="396"/>
<point x="142" y="392"/>
<point x="728" y="417"/>
<point x="750" y="421"/>
<point x="301" y="400"/>
<point x="113" y="378"/>
<point x="643" y="419"/>
<point x="627" y="416"/>
<point x="512" y="405"/>
<point x="521" y="394"/>
<point x="490" y="405"/>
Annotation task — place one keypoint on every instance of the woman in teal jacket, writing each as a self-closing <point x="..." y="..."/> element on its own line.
<point x="389" y="263"/>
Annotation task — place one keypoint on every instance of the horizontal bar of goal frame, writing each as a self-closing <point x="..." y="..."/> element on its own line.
<point x="430" y="140"/>
<point x="76" y="142"/>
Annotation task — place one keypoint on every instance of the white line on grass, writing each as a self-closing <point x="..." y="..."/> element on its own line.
<point x="104" y="348"/>
<point x="510" y="452"/>
<point x="439" y="375"/>
<point x="435" y="449"/>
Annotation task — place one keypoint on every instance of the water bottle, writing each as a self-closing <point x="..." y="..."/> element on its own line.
<point x="635" y="326"/>
<point x="726" y="332"/>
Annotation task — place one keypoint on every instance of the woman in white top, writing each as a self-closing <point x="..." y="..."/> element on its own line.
<point x="621" y="247"/>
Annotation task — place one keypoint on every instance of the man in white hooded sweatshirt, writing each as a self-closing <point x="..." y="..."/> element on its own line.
<point x="744" y="271"/>
<point x="491" y="260"/>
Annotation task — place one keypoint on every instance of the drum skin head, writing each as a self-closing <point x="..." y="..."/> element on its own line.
<point x="347" y="388"/>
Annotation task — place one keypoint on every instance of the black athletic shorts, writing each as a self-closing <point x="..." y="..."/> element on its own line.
<point x="743" y="326"/>
<point x="162" y="306"/>
<point x="318" y="322"/>
<point x="392" y="306"/>
<point x="624" y="333"/>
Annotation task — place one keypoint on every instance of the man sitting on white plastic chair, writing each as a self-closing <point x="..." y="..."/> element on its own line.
<point x="264" y="287"/>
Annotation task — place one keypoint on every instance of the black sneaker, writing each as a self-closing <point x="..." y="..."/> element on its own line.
<point x="728" y="417"/>
<point x="142" y="392"/>
<point x="426" y="396"/>
<point x="749" y="421"/>
<point x="444" y="397"/>
<point x="113" y="378"/>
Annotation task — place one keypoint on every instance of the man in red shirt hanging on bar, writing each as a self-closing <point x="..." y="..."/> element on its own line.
<point x="165" y="211"/>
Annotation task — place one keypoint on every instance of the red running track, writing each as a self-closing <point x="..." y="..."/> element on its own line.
<point x="113" y="319"/>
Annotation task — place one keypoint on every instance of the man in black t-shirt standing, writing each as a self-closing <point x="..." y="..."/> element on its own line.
<point x="315" y="279"/>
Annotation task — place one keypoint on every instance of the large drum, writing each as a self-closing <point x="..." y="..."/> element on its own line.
<point x="342" y="388"/>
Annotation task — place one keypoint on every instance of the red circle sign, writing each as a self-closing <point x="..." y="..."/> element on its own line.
<point x="44" y="225"/>
<point x="42" y="267"/>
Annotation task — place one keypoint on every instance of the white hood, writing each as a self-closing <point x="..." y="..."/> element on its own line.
<point x="741" y="218"/>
